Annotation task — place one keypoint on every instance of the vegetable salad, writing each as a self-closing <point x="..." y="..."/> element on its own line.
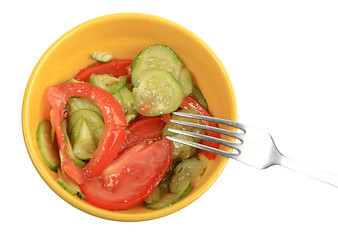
<point x="106" y="134"/>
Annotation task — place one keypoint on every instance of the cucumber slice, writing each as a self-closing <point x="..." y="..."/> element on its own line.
<point x="126" y="99"/>
<point x="67" y="183"/>
<point x="85" y="146"/>
<point x="155" y="57"/>
<point x="197" y="95"/>
<point x="72" y="80"/>
<point x="155" y="196"/>
<point x="76" y="103"/>
<point x="186" y="173"/>
<point x="102" y="56"/>
<point x="128" y="104"/>
<point x="108" y="82"/>
<point x="93" y="120"/>
<point x="181" y="151"/>
<point x="70" y="151"/>
<point x="158" y="93"/>
<point x="75" y="131"/>
<point x="118" y="97"/>
<point x="185" y="81"/>
<point x="47" y="145"/>
<point x="168" y="199"/>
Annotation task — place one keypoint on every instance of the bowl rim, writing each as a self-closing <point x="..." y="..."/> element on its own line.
<point x="92" y="210"/>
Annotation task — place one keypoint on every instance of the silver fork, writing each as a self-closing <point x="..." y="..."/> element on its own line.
<point x="255" y="147"/>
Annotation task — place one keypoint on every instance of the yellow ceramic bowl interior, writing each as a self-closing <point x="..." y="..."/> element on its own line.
<point x="125" y="35"/>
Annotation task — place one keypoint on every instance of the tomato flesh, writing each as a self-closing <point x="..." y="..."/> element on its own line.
<point x="131" y="178"/>
<point x="149" y="128"/>
<point x="116" y="67"/>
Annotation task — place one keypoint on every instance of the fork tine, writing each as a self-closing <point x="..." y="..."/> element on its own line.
<point x="203" y="147"/>
<point x="212" y="119"/>
<point x="209" y="128"/>
<point x="208" y="138"/>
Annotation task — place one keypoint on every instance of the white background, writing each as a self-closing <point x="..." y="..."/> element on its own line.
<point x="282" y="57"/>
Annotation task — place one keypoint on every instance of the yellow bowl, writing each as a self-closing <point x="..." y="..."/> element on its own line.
<point x="125" y="35"/>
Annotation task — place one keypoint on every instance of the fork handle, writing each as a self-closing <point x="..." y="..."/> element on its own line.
<point x="309" y="171"/>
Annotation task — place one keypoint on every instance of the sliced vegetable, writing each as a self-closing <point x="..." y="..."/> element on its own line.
<point x="102" y="56"/>
<point x="186" y="173"/>
<point x="70" y="80"/>
<point x="198" y="96"/>
<point x="74" y="135"/>
<point x="158" y="93"/>
<point x="126" y="99"/>
<point x="185" y="81"/>
<point x="75" y="103"/>
<point x="155" y="57"/>
<point x="182" y="127"/>
<point x="182" y="151"/>
<point x="128" y="104"/>
<point x="69" y="148"/>
<point x="108" y="82"/>
<point x="131" y="178"/>
<point x="47" y="145"/>
<point x="112" y="138"/>
<point x="85" y="145"/>
<point x="93" y="120"/>
<point x="155" y="196"/>
<point x="116" y="67"/>
<point x="143" y="129"/>
<point x="189" y="103"/>
<point x="66" y="182"/>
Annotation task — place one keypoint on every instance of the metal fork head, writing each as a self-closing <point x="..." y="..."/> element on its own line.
<point x="253" y="146"/>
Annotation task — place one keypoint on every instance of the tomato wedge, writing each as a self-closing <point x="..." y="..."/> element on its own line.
<point x="189" y="103"/>
<point x="149" y="128"/>
<point x="116" y="67"/>
<point x="112" y="137"/>
<point x="131" y="178"/>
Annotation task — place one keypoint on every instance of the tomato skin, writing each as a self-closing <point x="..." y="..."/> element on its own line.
<point x="149" y="128"/>
<point x="131" y="178"/>
<point x="116" y="67"/>
<point x="189" y="103"/>
<point x="112" y="137"/>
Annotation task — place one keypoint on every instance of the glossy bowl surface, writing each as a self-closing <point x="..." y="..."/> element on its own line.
<point x="125" y="35"/>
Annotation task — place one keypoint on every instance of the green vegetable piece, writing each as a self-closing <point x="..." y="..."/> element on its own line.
<point x="102" y="56"/>
<point x="70" y="151"/>
<point x="84" y="146"/>
<point x="182" y="151"/>
<point x="186" y="173"/>
<point x="155" y="57"/>
<point x="197" y="95"/>
<point x="93" y="120"/>
<point x="72" y="80"/>
<point x="108" y="82"/>
<point x="184" y="128"/>
<point x="158" y="93"/>
<point x="77" y="103"/>
<point x="47" y="145"/>
<point x="168" y="199"/>
<point x="68" y="183"/>
<point x="185" y="81"/>
<point x="155" y="196"/>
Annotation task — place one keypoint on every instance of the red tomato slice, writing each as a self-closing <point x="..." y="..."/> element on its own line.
<point x="114" y="134"/>
<point x="149" y="128"/>
<point x="189" y="103"/>
<point x="116" y="67"/>
<point x="131" y="178"/>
